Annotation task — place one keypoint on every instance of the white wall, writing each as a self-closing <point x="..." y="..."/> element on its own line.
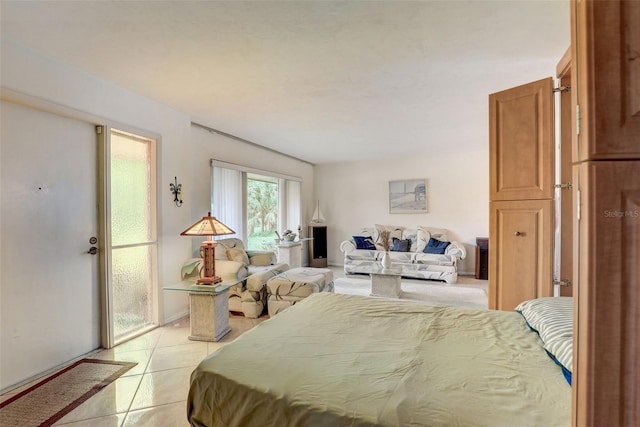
<point x="33" y="80"/>
<point x="184" y="151"/>
<point x="27" y="72"/>
<point x="36" y="81"/>
<point x="210" y="145"/>
<point x="356" y="194"/>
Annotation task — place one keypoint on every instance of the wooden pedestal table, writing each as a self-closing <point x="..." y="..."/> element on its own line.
<point x="208" y="309"/>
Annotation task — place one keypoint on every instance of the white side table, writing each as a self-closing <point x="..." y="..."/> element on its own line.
<point x="291" y="252"/>
<point x="208" y="309"/>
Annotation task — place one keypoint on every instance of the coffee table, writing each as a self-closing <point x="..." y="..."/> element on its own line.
<point x="385" y="282"/>
<point x="208" y="308"/>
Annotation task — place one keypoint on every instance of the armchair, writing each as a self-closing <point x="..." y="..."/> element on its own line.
<point x="234" y="262"/>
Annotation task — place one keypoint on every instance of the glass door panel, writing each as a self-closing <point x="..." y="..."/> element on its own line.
<point x="132" y="289"/>
<point x="133" y="234"/>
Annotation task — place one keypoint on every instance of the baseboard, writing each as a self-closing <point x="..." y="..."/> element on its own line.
<point x="176" y="317"/>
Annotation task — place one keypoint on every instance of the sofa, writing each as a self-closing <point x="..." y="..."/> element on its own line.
<point x="427" y="250"/>
<point x="233" y="262"/>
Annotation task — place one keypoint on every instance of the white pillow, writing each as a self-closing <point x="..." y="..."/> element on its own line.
<point x="422" y="238"/>
<point x="238" y="255"/>
<point x="367" y="232"/>
<point x="436" y="233"/>
<point x="552" y="318"/>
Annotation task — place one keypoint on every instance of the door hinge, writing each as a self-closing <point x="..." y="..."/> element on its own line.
<point x="562" y="89"/>
<point x="578" y="119"/>
<point x="99" y="130"/>
<point x="578" y="204"/>
<point x="565" y="186"/>
<point x="562" y="282"/>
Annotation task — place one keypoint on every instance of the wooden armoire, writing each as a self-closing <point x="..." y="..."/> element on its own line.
<point x="603" y="124"/>
<point x="605" y="48"/>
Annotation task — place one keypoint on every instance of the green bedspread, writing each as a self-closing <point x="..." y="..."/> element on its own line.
<point x="342" y="360"/>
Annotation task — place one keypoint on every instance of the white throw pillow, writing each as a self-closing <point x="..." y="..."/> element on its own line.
<point x="436" y="233"/>
<point x="422" y="238"/>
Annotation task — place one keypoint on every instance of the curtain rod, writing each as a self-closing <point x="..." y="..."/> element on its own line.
<point x="243" y="168"/>
<point x="237" y="138"/>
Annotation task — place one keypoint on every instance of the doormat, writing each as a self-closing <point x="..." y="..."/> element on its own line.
<point x="52" y="398"/>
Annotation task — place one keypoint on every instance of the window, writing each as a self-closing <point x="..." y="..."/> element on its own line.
<point x="262" y="210"/>
<point x="254" y="203"/>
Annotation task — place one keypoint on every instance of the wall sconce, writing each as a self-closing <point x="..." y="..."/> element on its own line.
<point x="176" y="190"/>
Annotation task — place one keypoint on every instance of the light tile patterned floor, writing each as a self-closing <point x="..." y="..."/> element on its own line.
<point x="154" y="392"/>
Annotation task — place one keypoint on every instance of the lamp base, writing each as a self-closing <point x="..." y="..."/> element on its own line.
<point x="209" y="280"/>
<point x="208" y="250"/>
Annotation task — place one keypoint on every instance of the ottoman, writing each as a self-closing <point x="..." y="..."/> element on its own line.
<point x="286" y="289"/>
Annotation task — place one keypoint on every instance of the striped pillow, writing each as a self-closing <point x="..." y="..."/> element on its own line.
<point x="552" y="319"/>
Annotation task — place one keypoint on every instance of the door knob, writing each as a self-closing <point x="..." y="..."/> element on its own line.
<point x="93" y="250"/>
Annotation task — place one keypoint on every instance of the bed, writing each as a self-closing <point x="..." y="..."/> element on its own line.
<point x="345" y="360"/>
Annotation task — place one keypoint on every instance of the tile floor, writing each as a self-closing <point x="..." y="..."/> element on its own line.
<point x="154" y="392"/>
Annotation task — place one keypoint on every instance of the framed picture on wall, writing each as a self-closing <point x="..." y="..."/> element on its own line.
<point x="408" y="196"/>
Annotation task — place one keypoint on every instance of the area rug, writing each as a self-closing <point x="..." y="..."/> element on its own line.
<point x="425" y="291"/>
<point x="51" y="399"/>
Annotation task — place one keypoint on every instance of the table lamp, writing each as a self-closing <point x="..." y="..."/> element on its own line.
<point x="208" y="226"/>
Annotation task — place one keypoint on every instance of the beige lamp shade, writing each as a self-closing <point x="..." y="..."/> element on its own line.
<point x="207" y="226"/>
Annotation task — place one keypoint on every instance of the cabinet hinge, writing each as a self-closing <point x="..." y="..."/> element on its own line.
<point x="562" y="282"/>
<point x="565" y="186"/>
<point x="562" y="89"/>
<point x="578" y="119"/>
<point x="99" y="130"/>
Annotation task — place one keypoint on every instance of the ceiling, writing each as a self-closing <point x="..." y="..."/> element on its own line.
<point x="321" y="81"/>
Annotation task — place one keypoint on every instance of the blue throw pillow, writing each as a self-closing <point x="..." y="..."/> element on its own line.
<point x="435" y="246"/>
<point x="364" y="242"/>
<point x="401" y="245"/>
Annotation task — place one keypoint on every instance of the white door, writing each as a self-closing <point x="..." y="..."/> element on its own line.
<point x="49" y="292"/>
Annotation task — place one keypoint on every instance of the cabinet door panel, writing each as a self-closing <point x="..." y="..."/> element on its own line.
<point x="608" y="298"/>
<point x="608" y="41"/>
<point x="521" y="261"/>
<point x="521" y="142"/>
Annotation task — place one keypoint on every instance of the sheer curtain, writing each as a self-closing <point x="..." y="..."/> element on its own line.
<point x="293" y="204"/>
<point x="229" y="198"/>
<point x="226" y="199"/>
